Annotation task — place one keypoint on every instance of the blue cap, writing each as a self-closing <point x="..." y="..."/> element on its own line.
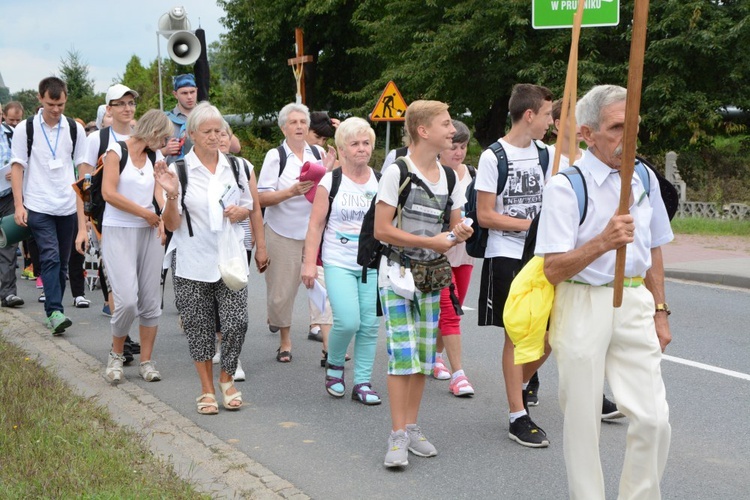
<point x="187" y="80"/>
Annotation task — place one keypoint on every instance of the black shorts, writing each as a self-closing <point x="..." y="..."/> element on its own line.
<point x="497" y="275"/>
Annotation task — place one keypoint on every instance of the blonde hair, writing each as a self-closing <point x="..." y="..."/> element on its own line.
<point x="154" y="124"/>
<point x="353" y="127"/>
<point x="421" y="113"/>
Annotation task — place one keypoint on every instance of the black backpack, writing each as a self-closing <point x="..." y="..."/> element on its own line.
<point x="96" y="213"/>
<point x="72" y="127"/>
<point x="183" y="177"/>
<point x="477" y="242"/>
<point x="370" y="249"/>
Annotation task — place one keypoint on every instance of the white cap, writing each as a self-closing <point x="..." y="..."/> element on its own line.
<point x="118" y="90"/>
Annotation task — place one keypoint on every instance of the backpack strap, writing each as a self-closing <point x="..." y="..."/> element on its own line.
<point x="402" y="151"/>
<point x="502" y="166"/>
<point x="642" y="172"/>
<point x="578" y="183"/>
<point x="29" y="135"/>
<point x="282" y="159"/>
<point x="235" y="164"/>
<point x="451" y="176"/>
<point x="103" y="141"/>
<point x="8" y="132"/>
<point x="472" y="171"/>
<point x="315" y="152"/>
<point x="543" y="157"/>
<point x="336" y="175"/>
<point x="181" y="168"/>
<point x="73" y="127"/>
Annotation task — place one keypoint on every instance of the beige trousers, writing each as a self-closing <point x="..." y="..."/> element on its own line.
<point x="591" y="339"/>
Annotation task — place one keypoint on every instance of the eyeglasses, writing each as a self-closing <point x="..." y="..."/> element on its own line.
<point x="129" y="104"/>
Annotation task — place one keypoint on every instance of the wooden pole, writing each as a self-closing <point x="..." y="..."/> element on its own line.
<point x="568" y="115"/>
<point x="298" y="64"/>
<point x="630" y="132"/>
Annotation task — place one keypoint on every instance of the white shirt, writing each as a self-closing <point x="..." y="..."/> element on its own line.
<point x="559" y="229"/>
<point x="291" y="217"/>
<point x="341" y="237"/>
<point x="197" y="256"/>
<point x="420" y="214"/>
<point x="135" y="184"/>
<point x="47" y="187"/>
<point x="521" y="198"/>
<point x="93" y="141"/>
<point x="457" y="255"/>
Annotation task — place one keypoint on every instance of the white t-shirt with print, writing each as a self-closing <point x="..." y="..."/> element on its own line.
<point x="421" y="215"/>
<point x="341" y="237"/>
<point x="521" y="198"/>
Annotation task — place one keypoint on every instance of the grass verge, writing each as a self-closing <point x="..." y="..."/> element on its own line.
<point x="56" y="444"/>
<point x="711" y="227"/>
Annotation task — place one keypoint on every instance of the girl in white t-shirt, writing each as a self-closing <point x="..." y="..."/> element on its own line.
<point x="353" y="302"/>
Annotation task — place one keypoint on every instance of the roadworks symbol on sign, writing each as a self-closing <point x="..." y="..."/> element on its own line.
<point x="391" y="107"/>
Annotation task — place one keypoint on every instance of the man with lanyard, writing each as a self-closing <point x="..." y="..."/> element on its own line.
<point x="43" y="197"/>
<point x="591" y="338"/>
<point x="8" y="254"/>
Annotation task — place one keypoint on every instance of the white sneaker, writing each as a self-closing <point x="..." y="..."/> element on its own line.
<point x="148" y="371"/>
<point x="113" y="373"/>
<point x="81" y="302"/>
<point x="239" y="373"/>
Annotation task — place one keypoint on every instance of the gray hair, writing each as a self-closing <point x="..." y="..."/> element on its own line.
<point x="352" y="127"/>
<point x="589" y="108"/>
<point x="462" y="134"/>
<point x="291" y="107"/>
<point x="201" y="113"/>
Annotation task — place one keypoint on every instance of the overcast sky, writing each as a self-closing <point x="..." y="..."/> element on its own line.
<point x="36" y="34"/>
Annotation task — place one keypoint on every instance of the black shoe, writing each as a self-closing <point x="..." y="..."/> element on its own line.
<point x="526" y="433"/>
<point x="532" y="391"/>
<point x="135" y="347"/>
<point x="609" y="410"/>
<point x="127" y="354"/>
<point x="12" y="301"/>
<point x="317" y="336"/>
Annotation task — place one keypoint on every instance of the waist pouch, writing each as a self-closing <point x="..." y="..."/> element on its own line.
<point x="432" y="275"/>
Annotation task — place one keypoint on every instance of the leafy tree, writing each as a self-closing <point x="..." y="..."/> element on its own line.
<point x="82" y="100"/>
<point x="28" y="99"/>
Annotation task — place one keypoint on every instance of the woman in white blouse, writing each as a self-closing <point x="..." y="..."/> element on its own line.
<point x="197" y="219"/>
<point x="132" y="240"/>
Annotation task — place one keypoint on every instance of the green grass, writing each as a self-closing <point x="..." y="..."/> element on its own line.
<point x="56" y="444"/>
<point x="711" y="227"/>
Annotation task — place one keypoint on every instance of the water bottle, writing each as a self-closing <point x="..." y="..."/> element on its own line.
<point x="87" y="194"/>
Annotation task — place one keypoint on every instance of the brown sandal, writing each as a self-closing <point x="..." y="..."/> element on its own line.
<point x="280" y="355"/>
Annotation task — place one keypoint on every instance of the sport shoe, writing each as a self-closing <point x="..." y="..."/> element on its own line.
<point x="113" y="373"/>
<point x="81" y="302"/>
<point x="41" y="298"/>
<point x="532" y="391"/>
<point x="439" y="371"/>
<point x="106" y="311"/>
<point x="609" y="410"/>
<point x="12" y="300"/>
<point x="28" y="273"/>
<point x="525" y="432"/>
<point x="398" y="454"/>
<point x="39" y="283"/>
<point x="418" y="443"/>
<point x="148" y="372"/>
<point x="239" y="373"/>
<point x="57" y="322"/>
<point x="461" y="387"/>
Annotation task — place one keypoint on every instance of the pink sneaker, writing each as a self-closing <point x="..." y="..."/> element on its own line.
<point x="439" y="371"/>
<point x="39" y="282"/>
<point x="461" y="387"/>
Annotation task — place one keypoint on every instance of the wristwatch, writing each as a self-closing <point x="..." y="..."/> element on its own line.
<point x="663" y="308"/>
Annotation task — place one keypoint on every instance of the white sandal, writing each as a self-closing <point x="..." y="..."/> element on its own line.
<point x="228" y="399"/>
<point x="203" y="406"/>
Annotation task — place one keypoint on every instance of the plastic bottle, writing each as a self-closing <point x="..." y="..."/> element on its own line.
<point x="87" y="194"/>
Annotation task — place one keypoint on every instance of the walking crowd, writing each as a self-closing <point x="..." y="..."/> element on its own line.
<point x="390" y="242"/>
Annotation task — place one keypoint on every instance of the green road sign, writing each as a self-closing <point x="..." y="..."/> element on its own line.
<point x="559" y="13"/>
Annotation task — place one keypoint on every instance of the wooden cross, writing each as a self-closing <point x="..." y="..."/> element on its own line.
<point x="297" y="64"/>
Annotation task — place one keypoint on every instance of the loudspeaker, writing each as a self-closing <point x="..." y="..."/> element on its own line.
<point x="184" y="48"/>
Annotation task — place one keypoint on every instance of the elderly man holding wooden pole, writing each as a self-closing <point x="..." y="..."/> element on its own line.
<point x="590" y="337"/>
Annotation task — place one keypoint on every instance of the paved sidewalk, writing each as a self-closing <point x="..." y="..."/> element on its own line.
<point x="707" y="259"/>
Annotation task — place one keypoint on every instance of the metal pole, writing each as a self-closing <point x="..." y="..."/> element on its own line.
<point x="387" y="137"/>
<point x="158" y="60"/>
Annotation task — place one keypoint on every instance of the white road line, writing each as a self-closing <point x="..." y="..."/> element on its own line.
<point x="702" y="366"/>
<point x="467" y="308"/>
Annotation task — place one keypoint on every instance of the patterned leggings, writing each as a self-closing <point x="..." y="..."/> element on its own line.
<point x="197" y="302"/>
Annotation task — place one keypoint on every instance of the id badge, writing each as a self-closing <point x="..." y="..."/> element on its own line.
<point x="55" y="163"/>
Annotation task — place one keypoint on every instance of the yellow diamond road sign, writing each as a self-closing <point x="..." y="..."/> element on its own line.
<point x="391" y="107"/>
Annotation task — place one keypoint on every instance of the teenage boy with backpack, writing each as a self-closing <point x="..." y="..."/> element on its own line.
<point x="416" y="235"/>
<point x="45" y="149"/>
<point x="507" y="211"/>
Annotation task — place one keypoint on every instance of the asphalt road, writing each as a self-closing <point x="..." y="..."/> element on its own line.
<point x="334" y="449"/>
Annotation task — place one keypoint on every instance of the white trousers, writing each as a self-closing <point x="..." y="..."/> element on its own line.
<point x="590" y="338"/>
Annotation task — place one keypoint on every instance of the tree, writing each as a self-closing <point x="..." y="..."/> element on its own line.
<point x="28" y="99"/>
<point x="83" y="102"/>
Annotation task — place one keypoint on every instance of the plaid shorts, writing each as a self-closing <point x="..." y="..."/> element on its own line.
<point x="411" y="331"/>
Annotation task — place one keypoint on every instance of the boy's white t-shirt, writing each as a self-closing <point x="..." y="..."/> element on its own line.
<point x="521" y="198"/>
<point x="341" y="236"/>
<point x="420" y="215"/>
